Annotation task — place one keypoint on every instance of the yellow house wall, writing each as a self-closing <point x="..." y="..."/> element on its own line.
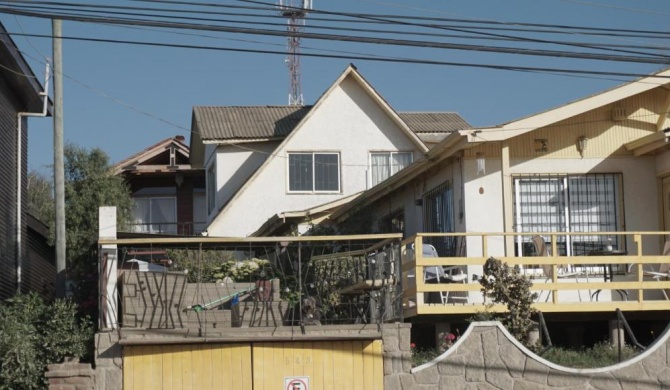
<point x="606" y="136"/>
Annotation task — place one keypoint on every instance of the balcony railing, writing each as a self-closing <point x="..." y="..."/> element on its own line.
<point x="176" y="228"/>
<point x="630" y="275"/>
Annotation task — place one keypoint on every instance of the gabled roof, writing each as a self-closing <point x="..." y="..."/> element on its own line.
<point x="239" y="123"/>
<point x="247" y="122"/>
<point x="350" y="71"/>
<point x="315" y="214"/>
<point x="19" y="75"/>
<point x="434" y="122"/>
<point x="549" y="117"/>
<point x="145" y="156"/>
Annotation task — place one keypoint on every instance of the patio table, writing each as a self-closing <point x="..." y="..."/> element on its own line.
<point x="608" y="274"/>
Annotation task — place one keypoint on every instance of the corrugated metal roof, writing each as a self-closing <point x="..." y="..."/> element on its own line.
<point x="262" y="122"/>
<point x="251" y="122"/>
<point x="434" y="122"/>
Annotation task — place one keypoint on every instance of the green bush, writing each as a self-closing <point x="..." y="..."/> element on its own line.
<point x="34" y="334"/>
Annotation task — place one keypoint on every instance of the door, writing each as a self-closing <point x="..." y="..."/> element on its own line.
<point x="187" y="366"/>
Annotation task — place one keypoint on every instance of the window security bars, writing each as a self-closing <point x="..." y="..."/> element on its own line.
<point x="568" y="203"/>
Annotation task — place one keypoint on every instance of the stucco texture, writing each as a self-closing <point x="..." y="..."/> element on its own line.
<point x="488" y="357"/>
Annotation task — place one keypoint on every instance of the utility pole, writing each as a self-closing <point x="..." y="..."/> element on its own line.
<point x="59" y="168"/>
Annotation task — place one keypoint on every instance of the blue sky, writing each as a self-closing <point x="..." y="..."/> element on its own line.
<point x="118" y="97"/>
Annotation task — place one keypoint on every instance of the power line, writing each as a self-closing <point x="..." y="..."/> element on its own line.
<point x="351" y="57"/>
<point x="346" y="38"/>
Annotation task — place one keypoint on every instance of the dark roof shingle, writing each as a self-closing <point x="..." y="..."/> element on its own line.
<point x="262" y="122"/>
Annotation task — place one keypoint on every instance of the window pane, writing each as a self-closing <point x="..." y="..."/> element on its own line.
<point x="163" y="215"/>
<point x="300" y="172"/>
<point x="379" y="167"/>
<point x="400" y="161"/>
<point x="142" y="215"/>
<point x="327" y="172"/>
<point x="199" y="214"/>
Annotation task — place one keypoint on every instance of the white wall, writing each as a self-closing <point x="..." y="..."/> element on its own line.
<point x="663" y="163"/>
<point x="484" y="212"/>
<point x="234" y="165"/>
<point x="348" y="122"/>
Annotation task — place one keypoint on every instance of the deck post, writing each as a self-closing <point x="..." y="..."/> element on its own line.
<point x="108" y="269"/>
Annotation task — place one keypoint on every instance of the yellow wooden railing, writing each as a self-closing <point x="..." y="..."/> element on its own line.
<point x="626" y="290"/>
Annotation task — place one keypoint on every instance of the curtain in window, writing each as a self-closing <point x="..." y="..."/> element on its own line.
<point x="566" y="203"/>
<point x="163" y="215"/>
<point x="379" y="164"/>
<point x="199" y="213"/>
<point x="142" y="215"/>
<point x="400" y="161"/>
<point x="438" y="217"/>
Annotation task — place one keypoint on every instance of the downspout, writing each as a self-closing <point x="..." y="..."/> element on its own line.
<point x="19" y="170"/>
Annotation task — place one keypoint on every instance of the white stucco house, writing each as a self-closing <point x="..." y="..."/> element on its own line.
<point x="598" y="164"/>
<point x="266" y="162"/>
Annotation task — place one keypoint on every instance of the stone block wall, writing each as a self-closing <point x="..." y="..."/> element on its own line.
<point x="70" y="375"/>
<point x="488" y="357"/>
<point x="108" y="361"/>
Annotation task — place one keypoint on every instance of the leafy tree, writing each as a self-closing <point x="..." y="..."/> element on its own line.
<point x="508" y="286"/>
<point x="88" y="186"/>
<point x="34" y="334"/>
<point x="40" y="193"/>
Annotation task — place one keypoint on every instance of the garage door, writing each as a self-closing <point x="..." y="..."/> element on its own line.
<point x="195" y="367"/>
<point x="320" y="365"/>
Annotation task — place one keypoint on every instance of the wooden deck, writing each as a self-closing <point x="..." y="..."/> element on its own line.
<point x="635" y="288"/>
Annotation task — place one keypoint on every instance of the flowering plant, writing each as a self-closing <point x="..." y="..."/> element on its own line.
<point x="448" y="341"/>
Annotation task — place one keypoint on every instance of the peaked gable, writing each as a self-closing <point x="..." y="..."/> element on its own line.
<point x="549" y="117"/>
<point x="352" y="74"/>
<point x="159" y="154"/>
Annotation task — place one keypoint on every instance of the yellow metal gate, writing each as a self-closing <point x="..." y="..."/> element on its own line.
<point x="188" y="366"/>
<point x="323" y="365"/>
<point x="319" y="365"/>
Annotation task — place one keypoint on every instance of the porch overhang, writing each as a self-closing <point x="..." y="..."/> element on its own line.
<point x="650" y="144"/>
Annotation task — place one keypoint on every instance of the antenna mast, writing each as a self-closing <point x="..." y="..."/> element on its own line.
<point x="295" y="12"/>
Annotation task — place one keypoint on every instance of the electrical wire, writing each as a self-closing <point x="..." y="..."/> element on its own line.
<point x="361" y="58"/>
<point x="426" y="44"/>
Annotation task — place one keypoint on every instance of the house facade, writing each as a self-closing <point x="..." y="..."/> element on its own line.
<point x="588" y="180"/>
<point x="274" y="160"/>
<point x="169" y="194"/>
<point x="20" y="92"/>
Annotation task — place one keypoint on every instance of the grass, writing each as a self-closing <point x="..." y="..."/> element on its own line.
<point x="601" y="355"/>
<point x="423" y="355"/>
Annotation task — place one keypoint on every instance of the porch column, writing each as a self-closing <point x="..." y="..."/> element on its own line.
<point x="617" y="333"/>
<point x="508" y="215"/>
<point x="108" y="269"/>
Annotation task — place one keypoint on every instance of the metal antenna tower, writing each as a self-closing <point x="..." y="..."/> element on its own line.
<point x="295" y="12"/>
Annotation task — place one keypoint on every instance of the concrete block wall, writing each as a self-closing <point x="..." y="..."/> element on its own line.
<point x="108" y="361"/>
<point x="71" y="375"/>
<point x="488" y="357"/>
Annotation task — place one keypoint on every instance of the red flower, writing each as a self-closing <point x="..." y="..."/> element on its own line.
<point x="412" y="345"/>
<point x="450" y="337"/>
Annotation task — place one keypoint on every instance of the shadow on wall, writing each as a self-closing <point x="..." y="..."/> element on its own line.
<point x="488" y="354"/>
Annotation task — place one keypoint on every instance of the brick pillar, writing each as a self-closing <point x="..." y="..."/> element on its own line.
<point x="70" y="375"/>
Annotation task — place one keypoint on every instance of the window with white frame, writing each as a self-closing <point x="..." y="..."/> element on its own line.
<point x="313" y="172"/>
<point x="385" y="164"/>
<point x="568" y="203"/>
<point x="211" y="188"/>
<point x="155" y="215"/>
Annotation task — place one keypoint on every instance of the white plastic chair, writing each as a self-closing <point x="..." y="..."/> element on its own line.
<point x="663" y="272"/>
<point x="541" y="249"/>
<point x="451" y="274"/>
